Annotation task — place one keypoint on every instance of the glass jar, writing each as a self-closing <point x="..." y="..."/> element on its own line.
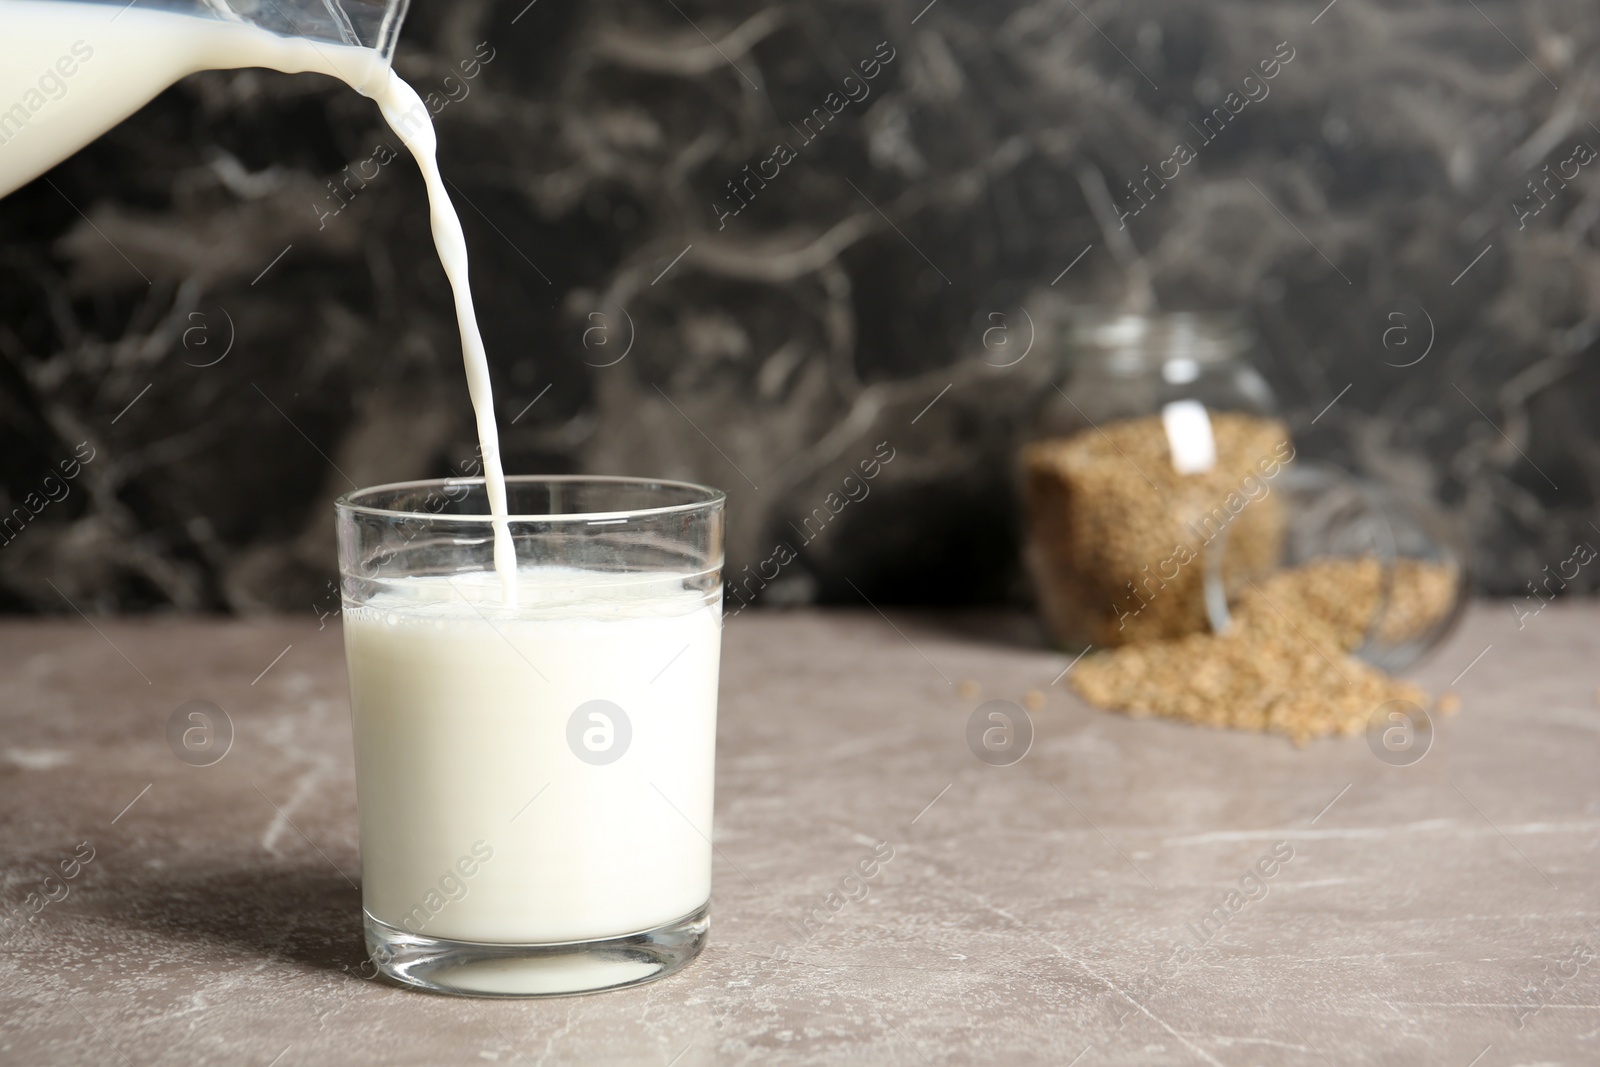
<point x="1157" y="436"/>
<point x="1160" y="490"/>
<point x="1385" y="571"/>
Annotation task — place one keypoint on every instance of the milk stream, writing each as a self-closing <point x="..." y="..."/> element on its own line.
<point x="69" y="71"/>
<point x="408" y="116"/>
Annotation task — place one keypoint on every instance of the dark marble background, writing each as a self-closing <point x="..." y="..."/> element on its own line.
<point x="1379" y="177"/>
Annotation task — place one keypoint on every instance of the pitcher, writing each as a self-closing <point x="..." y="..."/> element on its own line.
<point x="72" y="69"/>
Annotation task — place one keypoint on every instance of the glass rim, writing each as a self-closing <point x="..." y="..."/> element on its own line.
<point x="710" y="498"/>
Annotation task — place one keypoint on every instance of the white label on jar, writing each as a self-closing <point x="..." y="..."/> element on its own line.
<point x="1194" y="449"/>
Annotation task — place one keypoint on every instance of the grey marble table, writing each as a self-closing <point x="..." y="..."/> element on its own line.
<point x="1071" y="908"/>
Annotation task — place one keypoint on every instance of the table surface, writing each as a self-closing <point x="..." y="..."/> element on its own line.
<point x="1050" y="911"/>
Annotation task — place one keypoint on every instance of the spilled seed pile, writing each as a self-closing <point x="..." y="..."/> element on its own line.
<point x="1285" y="664"/>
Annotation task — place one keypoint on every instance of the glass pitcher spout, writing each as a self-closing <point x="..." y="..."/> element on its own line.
<point x="373" y="24"/>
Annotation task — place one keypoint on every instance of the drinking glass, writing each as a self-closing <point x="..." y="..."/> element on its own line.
<point x="534" y="772"/>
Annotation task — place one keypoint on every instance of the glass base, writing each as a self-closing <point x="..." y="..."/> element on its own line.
<point x="478" y="969"/>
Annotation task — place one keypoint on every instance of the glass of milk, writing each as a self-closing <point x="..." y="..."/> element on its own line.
<point x="534" y="765"/>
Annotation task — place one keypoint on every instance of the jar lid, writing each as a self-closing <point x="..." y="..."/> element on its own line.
<point x="1177" y="343"/>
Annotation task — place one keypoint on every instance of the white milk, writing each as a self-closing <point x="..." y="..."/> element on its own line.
<point x="71" y="71"/>
<point x="461" y="713"/>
